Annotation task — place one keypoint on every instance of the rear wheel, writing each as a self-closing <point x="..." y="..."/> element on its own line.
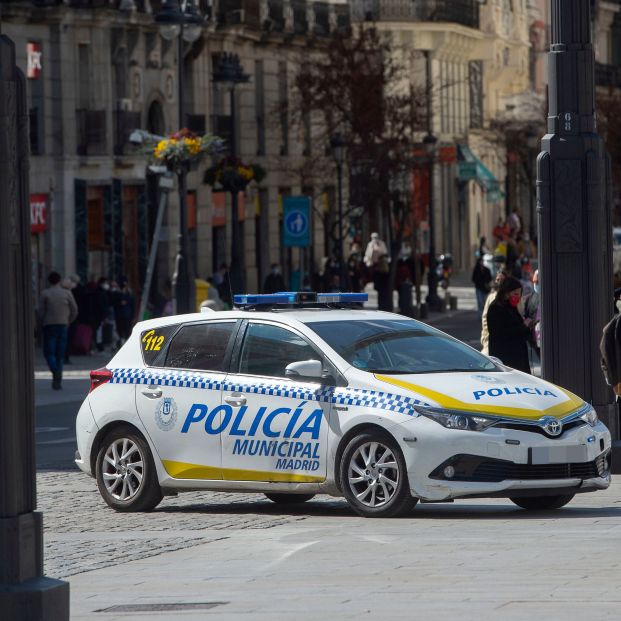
<point x="125" y="472"/>
<point x="289" y="499"/>
<point x="374" y="477"/>
<point x="542" y="503"/>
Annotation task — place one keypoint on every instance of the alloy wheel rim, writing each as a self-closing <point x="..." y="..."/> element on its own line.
<point x="373" y="474"/>
<point x="123" y="469"/>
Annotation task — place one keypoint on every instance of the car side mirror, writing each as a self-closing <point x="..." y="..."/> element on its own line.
<point x="305" y="369"/>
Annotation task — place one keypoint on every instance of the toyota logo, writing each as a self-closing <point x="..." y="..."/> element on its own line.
<point x="552" y="426"/>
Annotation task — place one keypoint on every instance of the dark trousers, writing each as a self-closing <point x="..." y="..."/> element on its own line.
<point x="54" y="346"/>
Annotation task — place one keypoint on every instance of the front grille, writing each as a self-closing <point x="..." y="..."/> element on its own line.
<point x="504" y="424"/>
<point x="475" y="468"/>
<point x="494" y="471"/>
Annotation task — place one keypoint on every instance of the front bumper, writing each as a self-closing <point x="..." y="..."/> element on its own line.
<point x="499" y="462"/>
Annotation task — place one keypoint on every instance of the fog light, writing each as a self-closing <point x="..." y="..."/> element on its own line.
<point x="449" y="472"/>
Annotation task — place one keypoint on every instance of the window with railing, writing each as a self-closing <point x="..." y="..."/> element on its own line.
<point x="464" y="12"/>
<point x="322" y="18"/>
<point x="91" y="132"/>
<point x="234" y="12"/>
<point x="124" y="124"/>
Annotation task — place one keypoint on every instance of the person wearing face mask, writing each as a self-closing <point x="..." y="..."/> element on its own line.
<point x="508" y="334"/>
<point x="532" y="313"/>
<point x="274" y="281"/>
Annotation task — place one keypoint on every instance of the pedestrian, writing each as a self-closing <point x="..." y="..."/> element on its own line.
<point x="500" y="276"/>
<point x="610" y="348"/>
<point x="482" y="279"/>
<point x="223" y="283"/>
<point x="375" y="250"/>
<point x="508" y="333"/>
<point x="274" y="282"/>
<point x="355" y="268"/>
<point x="69" y="285"/>
<point x="532" y="313"/>
<point x="403" y="282"/>
<point x="57" y="310"/>
<point x="100" y="310"/>
<point x="381" y="283"/>
<point x="124" y="308"/>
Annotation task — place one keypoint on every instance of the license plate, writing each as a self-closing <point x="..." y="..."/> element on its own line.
<point x="559" y="454"/>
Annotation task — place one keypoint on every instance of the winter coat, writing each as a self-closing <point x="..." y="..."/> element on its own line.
<point x="508" y="336"/>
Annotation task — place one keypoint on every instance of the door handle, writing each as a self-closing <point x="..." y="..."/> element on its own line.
<point x="152" y="392"/>
<point x="236" y="400"/>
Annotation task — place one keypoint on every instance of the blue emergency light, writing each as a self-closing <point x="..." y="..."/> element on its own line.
<point x="298" y="298"/>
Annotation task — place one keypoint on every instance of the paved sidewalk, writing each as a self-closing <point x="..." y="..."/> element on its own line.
<point x="477" y="559"/>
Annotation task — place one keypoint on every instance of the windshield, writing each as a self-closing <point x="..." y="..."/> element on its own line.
<point x="399" y="346"/>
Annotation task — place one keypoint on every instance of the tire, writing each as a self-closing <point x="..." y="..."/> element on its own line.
<point x="542" y="503"/>
<point x="289" y="499"/>
<point x="127" y="481"/>
<point x="370" y="490"/>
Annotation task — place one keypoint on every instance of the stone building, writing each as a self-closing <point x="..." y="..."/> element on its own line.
<point x="479" y="61"/>
<point x="97" y="69"/>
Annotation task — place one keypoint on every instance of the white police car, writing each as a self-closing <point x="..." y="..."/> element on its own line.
<point x="297" y="394"/>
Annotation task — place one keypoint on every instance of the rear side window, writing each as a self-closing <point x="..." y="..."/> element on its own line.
<point x="267" y="350"/>
<point x="200" y="346"/>
<point x="153" y="344"/>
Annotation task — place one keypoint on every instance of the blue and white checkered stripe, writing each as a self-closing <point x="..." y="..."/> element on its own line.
<point x="325" y="394"/>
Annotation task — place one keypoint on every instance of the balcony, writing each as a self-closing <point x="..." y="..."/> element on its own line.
<point x="91" y="132"/>
<point x="322" y="18"/>
<point x="221" y="127"/>
<point x="239" y="13"/>
<point x="124" y="123"/>
<point x="607" y="75"/>
<point x="275" y="21"/>
<point x="300" y="22"/>
<point x="464" y="12"/>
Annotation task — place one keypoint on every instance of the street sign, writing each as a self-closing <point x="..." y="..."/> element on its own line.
<point x="296" y="222"/>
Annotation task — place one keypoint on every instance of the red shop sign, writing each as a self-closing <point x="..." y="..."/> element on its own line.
<point x="38" y="213"/>
<point x="34" y="53"/>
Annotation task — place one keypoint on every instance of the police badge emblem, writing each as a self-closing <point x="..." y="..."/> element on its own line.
<point x="166" y="414"/>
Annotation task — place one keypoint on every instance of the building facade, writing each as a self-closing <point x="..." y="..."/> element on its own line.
<point x="97" y="71"/>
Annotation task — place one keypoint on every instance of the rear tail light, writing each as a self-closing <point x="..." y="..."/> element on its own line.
<point x="99" y="377"/>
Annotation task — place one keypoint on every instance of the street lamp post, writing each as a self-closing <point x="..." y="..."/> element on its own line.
<point x="433" y="299"/>
<point x="181" y="20"/>
<point x="338" y="147"/>
<point x="430" y="141"/>
<point x="230" y="72"/>
<point x="573" y="204"/>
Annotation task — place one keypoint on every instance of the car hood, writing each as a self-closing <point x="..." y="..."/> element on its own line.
<point x="509" y="394"/>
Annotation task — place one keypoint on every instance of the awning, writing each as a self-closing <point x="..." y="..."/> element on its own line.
<point x="471" y="168"/>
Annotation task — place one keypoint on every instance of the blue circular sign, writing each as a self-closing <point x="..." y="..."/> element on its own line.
<point x="296" y="223"/>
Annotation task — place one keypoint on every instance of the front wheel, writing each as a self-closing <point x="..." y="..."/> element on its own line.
<point x="542" y="503"/>
<point x="374" y="477"/>
<point x="289" y="499"/>
<point x="125" y="472"/>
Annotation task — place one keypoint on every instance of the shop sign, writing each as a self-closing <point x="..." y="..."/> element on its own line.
<point x="34" y="60"/>
<point x="38" y="213"/>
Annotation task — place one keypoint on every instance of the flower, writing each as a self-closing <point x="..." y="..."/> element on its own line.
<point x="231" y="174"/>
<point x="183" y="147"/>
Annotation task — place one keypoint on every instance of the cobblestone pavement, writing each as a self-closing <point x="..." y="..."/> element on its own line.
<point x="82" y="533"/>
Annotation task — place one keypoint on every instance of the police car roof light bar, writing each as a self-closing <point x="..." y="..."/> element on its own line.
<point x="298" y="299"/>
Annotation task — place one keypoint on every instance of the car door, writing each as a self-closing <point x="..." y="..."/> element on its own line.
<point x="180" y="403"/>
<point x="278" y="427"/>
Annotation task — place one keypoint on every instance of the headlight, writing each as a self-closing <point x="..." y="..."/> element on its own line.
<point x="454" y="419"/>
<point x="590" y="417"/>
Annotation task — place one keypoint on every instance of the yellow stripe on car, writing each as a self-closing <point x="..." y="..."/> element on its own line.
<point x="181" y="470"/>
<point x="562" y="409"/>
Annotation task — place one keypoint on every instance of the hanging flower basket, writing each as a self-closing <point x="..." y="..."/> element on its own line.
<point x="182" y="148"/>
<point x="232" y="175"/>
